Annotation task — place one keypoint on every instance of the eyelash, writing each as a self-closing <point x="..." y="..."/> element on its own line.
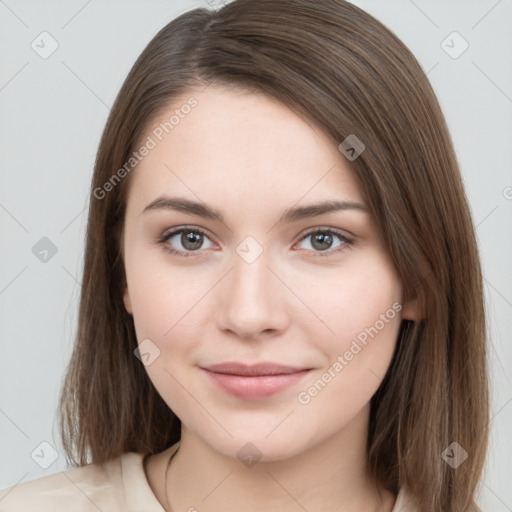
<point x="347" y="242"/>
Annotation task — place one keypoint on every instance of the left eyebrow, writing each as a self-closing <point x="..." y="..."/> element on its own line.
<point x="313" y="210"/>
<point x="289" y="215"/>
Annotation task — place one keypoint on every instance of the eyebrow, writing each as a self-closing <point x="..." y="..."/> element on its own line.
<point x="289" y="215"/>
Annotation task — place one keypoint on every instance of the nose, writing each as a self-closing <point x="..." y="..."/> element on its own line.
<point x="251" y="303"/>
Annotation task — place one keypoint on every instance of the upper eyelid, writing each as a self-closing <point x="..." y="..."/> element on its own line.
<point x="175" y="231"/>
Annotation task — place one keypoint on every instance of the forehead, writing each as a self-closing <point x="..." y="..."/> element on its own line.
<point x="244" y="145"/>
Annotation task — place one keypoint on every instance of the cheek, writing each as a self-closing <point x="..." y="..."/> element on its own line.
<point x="363" y="310"/>
<point x="354" y="299"/>
<point x="165" y="298"/>
<point x="166" y="305"/>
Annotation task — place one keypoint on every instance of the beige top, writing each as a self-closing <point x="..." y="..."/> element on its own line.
<point x="117" y="485"/>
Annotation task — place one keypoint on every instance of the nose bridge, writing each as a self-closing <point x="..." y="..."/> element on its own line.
<point x="250" y="276"/>
<point x="251" y="295"/>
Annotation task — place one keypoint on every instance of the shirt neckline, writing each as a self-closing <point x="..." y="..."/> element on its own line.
<point x="140" y="497"/>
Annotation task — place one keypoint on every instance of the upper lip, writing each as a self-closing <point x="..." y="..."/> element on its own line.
<point x="266" y="368"/>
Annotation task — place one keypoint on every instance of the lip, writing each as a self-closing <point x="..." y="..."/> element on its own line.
<point x="255" y="381"/>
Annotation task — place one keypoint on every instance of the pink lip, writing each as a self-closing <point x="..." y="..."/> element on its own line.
<point x="254" y="381"/>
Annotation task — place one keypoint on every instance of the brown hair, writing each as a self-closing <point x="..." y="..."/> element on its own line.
<point x="341" y="68"/>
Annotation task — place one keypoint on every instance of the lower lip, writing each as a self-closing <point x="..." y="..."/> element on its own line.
<point x="254" y="387"/>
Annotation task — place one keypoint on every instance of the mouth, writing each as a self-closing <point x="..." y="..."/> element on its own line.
<point x="252" y="382"/>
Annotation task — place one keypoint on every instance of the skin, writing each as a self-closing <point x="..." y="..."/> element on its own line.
<point x="251" y="157"/>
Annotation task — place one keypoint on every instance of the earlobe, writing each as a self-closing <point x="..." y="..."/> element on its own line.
<point x="411" y="310"/>
<point x="127" y="302"/>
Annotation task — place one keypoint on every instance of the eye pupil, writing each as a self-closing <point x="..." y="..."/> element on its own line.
<point x="322" y="241"/>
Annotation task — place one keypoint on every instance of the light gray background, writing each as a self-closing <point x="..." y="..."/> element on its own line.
<point x="52" y="112"/>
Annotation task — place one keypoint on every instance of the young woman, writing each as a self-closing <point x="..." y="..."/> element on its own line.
<point x="282" y="303"/>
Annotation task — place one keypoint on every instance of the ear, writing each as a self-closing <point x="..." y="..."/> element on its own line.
<point x="411" y="310"/>
<point x="126" y="300"/>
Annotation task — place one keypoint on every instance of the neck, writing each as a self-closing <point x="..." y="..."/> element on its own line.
<point x="328" y="476"/>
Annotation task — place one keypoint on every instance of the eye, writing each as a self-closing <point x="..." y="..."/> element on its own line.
<point x="191" y="240"/>
<point x="322" y="241"/>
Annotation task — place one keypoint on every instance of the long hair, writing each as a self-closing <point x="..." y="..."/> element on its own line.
<point x="339" y="67"/>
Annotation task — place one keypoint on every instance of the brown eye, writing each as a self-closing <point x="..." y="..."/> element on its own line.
<point x="191" y="240"/>
<point x="183" y="241"/>
<point x="322" y="241"/>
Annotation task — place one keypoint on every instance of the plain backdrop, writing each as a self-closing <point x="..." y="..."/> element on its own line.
<point x="52" y="112"/>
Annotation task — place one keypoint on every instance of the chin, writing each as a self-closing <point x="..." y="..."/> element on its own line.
<point x="252" y="445"/>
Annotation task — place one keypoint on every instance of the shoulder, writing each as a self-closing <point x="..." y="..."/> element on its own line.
<point x="404" y="502"/>
<point x="87" y="488"/>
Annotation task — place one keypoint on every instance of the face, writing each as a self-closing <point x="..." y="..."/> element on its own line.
<point x="313" y="293"/>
